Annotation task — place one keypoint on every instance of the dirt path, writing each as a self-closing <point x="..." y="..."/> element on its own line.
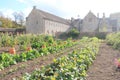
<point x="103" y="67"/>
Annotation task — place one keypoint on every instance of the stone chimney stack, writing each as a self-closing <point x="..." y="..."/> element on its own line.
<point x="97" y="15"/>
<point x="72" y="19"/>
<point x="34" y="7"/>
<point x="103" y="15"/>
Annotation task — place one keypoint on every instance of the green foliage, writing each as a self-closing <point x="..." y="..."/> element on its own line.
<point x="8" y="23"/>
<point x="7" y="40"/>
<point x="71" y="67"/>
<point x="114" y="40"/>
<point x="74" y="33"/>
<point x="41" y="45"/>
<point x="100" y="35"/>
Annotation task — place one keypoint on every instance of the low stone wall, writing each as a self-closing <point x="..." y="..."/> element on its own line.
<point x="13" y="30"/>
<point x="101" y="35"/>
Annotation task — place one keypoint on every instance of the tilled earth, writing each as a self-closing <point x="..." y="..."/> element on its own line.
<point x="103" y="68"/>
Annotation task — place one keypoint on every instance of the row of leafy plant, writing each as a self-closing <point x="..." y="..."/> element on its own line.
<point x="113" y="39"/>
<point x="29" y="40"/>
<point x="71" y="67"/>
<point x="39" y="48"/>
<point x="7" y="40"/>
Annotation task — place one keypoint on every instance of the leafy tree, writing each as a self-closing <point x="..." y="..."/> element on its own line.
<point x="74" y="33"/>
<point x="1" y="14"/>
<point x="6" y="22"/>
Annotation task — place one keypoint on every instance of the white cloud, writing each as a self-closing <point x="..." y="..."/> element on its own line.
<point x="49" y="2"/>
<point x="76" y="7"/>
<point x="72" y="8"/>
<point x="7" y="13"/>
<point x="26" y="11"/>
<point x="22" y="1"/>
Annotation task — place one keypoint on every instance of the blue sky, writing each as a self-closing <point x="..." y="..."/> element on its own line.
<point x="12" y="4"/>
<point x="62" y="8"/>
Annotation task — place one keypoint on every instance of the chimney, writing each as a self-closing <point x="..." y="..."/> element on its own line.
<point x="97" y="15"/>
<point x="72" y="19"/>
<point x="103" y="15"/>
<point x="34" y="7"/>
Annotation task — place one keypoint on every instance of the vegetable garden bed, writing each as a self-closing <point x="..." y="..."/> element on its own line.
<point x="37" y="51"/>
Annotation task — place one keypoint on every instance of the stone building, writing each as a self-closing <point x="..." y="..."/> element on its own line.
<point x="92" y="23"/>
<point x="115" y="21"/>
<point x="104" y="24"/>
<point x="41" y="22"/>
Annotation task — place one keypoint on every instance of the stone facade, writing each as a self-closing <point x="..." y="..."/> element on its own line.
<point x="40" y="22"/>
<point x="34" y="23"/>
<point x="115" y="21"/>
<point x="92" y="23"/>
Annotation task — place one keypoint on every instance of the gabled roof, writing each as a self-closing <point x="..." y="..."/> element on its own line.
<point x="52" y="17"/>
<point x="89" y="14"/>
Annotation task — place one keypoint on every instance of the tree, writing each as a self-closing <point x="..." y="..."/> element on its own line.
<point x="16" y="16"/>
<point x="1" y="14"/>
<point x="6" y="22"/>
<point x="21" y="18"/>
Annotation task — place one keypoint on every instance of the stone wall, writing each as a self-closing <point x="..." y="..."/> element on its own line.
<point x="90" y="23"/>
<point x="35" y="23"/>
<point x="101" y="35"/>
<point x="52" y="27"/>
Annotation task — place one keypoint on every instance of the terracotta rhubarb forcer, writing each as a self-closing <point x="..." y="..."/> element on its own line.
<point x="12" y="50"/>
<point x="43" y="46"/>
<point x="29" y="48"/>
<point x="117" y="63"/>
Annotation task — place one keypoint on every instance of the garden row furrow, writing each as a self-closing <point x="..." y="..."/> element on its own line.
<point x="43" y="46"/>
<point x="71" y="67"/>
<point x="26" y="66"/>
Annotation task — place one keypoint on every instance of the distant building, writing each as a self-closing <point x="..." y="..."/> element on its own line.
<point x="41" y="22"/>
<point x="104" y="24"/>
<point x="115" y="21"/>
<point x="92" y="23"/>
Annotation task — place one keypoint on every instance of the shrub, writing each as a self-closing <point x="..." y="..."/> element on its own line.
<point x="74" y="33"/>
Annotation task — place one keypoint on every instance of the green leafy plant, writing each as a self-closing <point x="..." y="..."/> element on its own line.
<point x="71" y="67"/>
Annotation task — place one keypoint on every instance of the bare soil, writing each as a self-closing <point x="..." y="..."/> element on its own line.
<point x="103" y="68"/>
